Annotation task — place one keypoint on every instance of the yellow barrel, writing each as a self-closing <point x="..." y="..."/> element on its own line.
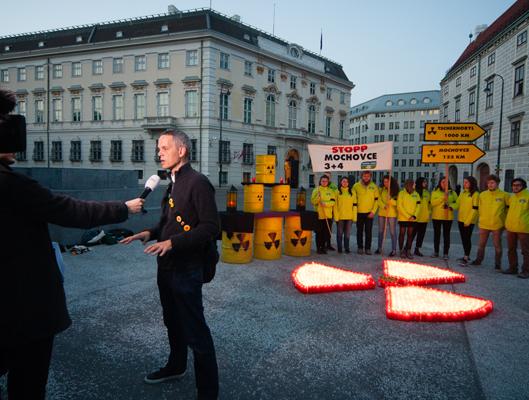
<point x="280" y="198"/>
<point x="268" y="238"/>
<point x="253" y="197"/>
<point x="297" y="242"/>
<point x="238" y="248"/>
<point x="265" y="168"/>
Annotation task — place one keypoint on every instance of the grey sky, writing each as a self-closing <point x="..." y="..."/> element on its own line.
<point x="384" y="46"/>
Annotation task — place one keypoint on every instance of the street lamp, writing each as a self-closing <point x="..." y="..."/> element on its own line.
<point x="488" y="91"/>
<point x="224" y="93"/>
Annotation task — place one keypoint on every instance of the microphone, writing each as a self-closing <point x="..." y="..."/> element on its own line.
<point x="150" y="185"/>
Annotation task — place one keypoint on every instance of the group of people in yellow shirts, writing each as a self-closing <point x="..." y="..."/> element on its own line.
<point x="413" y="206"/>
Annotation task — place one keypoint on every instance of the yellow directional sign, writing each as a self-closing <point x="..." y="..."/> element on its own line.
<point x="452" y="132"/>
<point x="451" y="153"/>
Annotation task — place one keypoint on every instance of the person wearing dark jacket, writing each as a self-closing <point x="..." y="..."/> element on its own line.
<point x="32" y="300"/>
<point x="189" y="223"/>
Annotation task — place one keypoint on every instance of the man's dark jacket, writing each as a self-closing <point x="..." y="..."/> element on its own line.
<point x="32" y="301"/>
<point x="189" y="219"/>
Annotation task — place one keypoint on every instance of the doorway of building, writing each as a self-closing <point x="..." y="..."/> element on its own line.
<point x="483" y="172"/>
<point x="292" y="168"/>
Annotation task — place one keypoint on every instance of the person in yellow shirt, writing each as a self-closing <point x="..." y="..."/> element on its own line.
<point x="443" y="207"/>
<point x="517" y="225"/>
<point x="492" y="210"/>
<point x="323" y="199"/>
<point x="333" y="186"/>
<point x="408" y="206"/>
<point x="468" y="204"/>
<point x="421" y="187"/>
<point x="367" y="199"/>
<point x="344" y="214"/>
<point x="387" y="205"/>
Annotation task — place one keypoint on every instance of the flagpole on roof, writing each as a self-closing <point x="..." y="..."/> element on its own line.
<point x="321" y="40"/>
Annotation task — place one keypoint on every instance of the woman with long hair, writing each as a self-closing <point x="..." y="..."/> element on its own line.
<point x="443" y="206"/>
<point x="344" y="214"/>
<point x="387" y="205"/>
<point x="323" y="199"/>
<point x="408" y="205"/>
<point x="421" y="186"/>
<point x="468" y="204"/>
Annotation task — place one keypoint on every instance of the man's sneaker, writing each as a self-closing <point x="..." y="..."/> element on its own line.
<point x="475" y="263"/>
<point x="377" y="251"/>
<point x="330" y="248"/>
<point x="368" y="252"/>
<point x="393" y="253"/>
<point x="162" y="375"/>
<point x="463" y="262"/>
<point x="360" y="251"/>
<point x="523" y="275"/>
<point x="435" y="255"/>
<point x="510" y="271"/>
<point x="497" y="268"/>
<point x="445" y="257"/>
<point x="418" y="253"/>
<point x="347" y="251"/>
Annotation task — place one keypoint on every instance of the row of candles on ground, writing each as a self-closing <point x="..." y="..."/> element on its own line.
<point x="231" y="198"/>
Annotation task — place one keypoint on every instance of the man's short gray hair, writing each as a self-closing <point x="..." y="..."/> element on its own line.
<point x="181" y="139"/>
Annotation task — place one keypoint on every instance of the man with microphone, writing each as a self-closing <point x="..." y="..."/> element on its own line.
<point x="32" y="300"/>
<point x="188" y="224"/>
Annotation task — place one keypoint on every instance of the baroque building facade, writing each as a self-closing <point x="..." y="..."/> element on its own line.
<point x="98" y="96"/>
<point x="487" y="85"/>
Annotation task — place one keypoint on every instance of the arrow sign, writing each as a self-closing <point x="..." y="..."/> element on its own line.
<point x="451" y="153"/>
<point x="452" y="132"/>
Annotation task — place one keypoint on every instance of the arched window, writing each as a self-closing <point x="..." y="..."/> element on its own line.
<point x="270" y="110"/>
<point x="292" y="114"/>
<point x="312" y="119"/>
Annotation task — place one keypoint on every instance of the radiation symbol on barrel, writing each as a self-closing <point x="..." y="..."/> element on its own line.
<point x="275" y="242"/>
<point x="244" y="244"/>
<point x="298" y="239"/>
<point x="259" y="197"/>
<point x="270" y="169"/>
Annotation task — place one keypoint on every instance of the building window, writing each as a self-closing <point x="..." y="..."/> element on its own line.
<point x="445" y="90"/>
<point x="21" y="156"/>
<point x="486" y="139"/>
<point x="76" y="109"/>
<point x="223" y="178"/>
<point x="421" y="124"/>
<point x="139" y="106"/>
<point x="396" y="162"/>
<point x="56" y="151"/>
<point x="224" y="61"/>
<point x="311" y="181"/>
<point x="342" y="128"/>
<point x="515" y="133"/>
<point x="411" y="163"/>
<point x="97" y="67"/>
<point x="248" y="66"/>
<point x="412" y="137"/>
<point x="138" y="151"/>
<point x="117" y="65"/>
<point x="57" y="71"/>
<point x="405" y="137"/>
<point x="312" y="88"/>
<point x="270" y="110"/>
<point x="312" y="119"/>
<point x="56" y="106"/>
<point x="76" y="69"/>
<point x="391" y="125"/>
<point x="21" y="107"/>
<point x="163" y="60"/>
<point x="411" y="149"/>
<point x="405" y="125"/>
<point x="39" y="111"/>
<point x="38" y="151"/>
<point x="457" y="117"/>
<point x="116" y="151"/>
<point x="519" y="75"/>
<point x="39" y="72"/>
<point x="194" y="151"/>
<point x="458" y="81"/>
<point x="191" y="104"/>
<point x="162" y="104"/>
<point x="21" y="74"/>
<point x="191" y="58"/>
<point x="97" y="108"/>
<point x="329" y="93"/>
<point x="403" y="163"/>
<point x="140" y="63"/>
<point x="95" y="150"/>
<point x="328" y="122"/>
<point x="397" y="126"/>
<point x="375" y="139"/>
<point x="396" y="137"/>
<point x="412" y="124"/>
<point x="404" y="150"/>
<point x="509" y="176"/>
<point x="521" y="38"/>
<point x="248" y="110"/>
<point x="342" y="98"/>
<point x="223" y="105"/>
<point x="473" y="71"/>
<point x="225" y="151"/>
<point x="246" y="177"/>
<point x="395" y="150"/>
<point x="117" y="107"/>
<point x="489" y="90"/>
<point x="75" y="150"/>
<point x="271" y="75"/>
<point x="293" y="80"/>
<point x="292" y="114"/>
<point x="4" y="75"/>
<point x="271" y="150"/>
<point x="247" y="153"/>
<point x="472" y="103"/>
<point x="491" y="59"/>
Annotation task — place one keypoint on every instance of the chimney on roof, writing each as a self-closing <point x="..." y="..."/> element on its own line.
<point x="236" y="18"/>
<point x="479" y="29"/>
<point x="171" y="9"/>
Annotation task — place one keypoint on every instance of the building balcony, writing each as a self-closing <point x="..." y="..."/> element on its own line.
<point x="159" y="123"/>
<point x="289" y="133"/>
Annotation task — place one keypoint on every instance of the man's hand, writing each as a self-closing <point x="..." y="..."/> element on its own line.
<point x="371" y="215"/>
<point x="159" y="249"/>
<point x="135" y="205"/>
<point x="143" y="236"/>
